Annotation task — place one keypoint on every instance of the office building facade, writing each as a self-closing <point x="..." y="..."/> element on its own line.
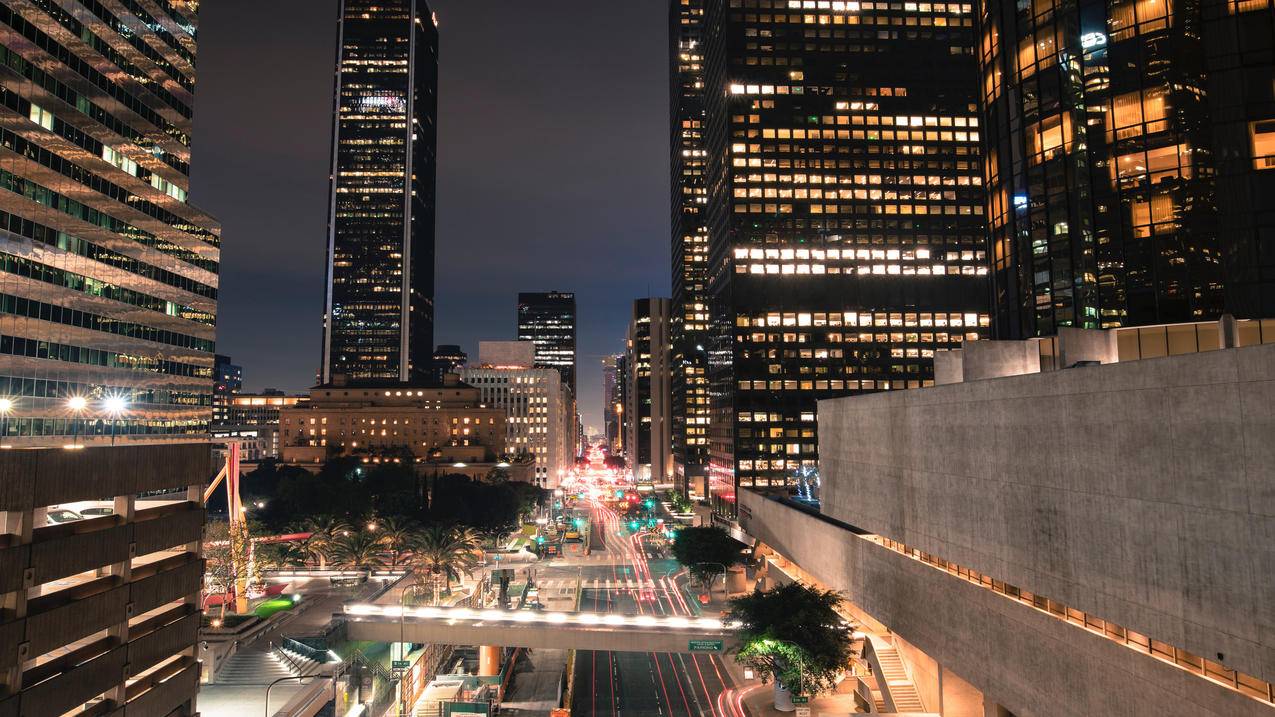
<point x="844" y="214"/>
<point x="108" y="305"/>
<point x="648" y="393"/>
<point x="379" y="303"/>
<point x="538" y="423"/>
<point x="108" y="289"/>
<point x="227" y="383"/>
<point x="408" y="422"/>
<point x="548" y="319"/>
<point x="1128" y="146"/>
<point x="689" y="245"/>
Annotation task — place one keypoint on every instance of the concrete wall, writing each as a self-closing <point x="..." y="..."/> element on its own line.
<point x="1018" y="656"/>
<point x="990" y="359"/>
<point x="1142" y="493"/>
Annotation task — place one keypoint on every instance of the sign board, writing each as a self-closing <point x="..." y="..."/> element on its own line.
<point x="800" y="699"/>
<point x="401" y="664"/>
<point x="803" y="712"/>
<point x="704" y="646"/>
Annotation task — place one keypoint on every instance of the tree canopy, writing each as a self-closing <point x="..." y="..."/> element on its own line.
<point x="793" y="633"/>
<point x="706" y="550"/>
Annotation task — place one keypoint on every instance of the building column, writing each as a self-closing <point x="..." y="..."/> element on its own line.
<point x="18" y="523"/>
<point x="488" y="660"/>
<point x="124" y="509"/>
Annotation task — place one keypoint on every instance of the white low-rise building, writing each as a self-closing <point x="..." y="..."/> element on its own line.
<point x="537" y="405"/>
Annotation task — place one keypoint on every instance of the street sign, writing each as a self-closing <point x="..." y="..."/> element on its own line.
<point x="401" y="664"/>
<point x="803" y="712"/>
<point x="800" y="699"/>
<point x="704" y="646"/>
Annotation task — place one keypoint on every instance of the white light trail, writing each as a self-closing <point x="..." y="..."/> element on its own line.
<point x="453" y="615"/>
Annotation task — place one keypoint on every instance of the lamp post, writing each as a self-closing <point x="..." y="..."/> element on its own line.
<point x="801" y="668"/>
<point x="76" y="404"/>
<point x="710" y="583"/>
<point x="115" y="405"/>
<point x="6" y="407"/>
<point x="296" y="677"/>
<point x="402" y="640"/>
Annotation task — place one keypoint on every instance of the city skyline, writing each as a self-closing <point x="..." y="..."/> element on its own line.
<point x="264" y="173"/>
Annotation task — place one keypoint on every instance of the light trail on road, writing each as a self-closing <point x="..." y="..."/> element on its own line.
<point x="696" y="685"/>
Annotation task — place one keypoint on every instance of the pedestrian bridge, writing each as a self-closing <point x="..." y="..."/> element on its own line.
<point x="536" y="628"/>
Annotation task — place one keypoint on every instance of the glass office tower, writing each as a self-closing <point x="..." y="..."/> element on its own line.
<point x="844" y="212"/>
<point x="689" y="362"/>
<point x="108" y="275"/>
<point x="548" y="319"/>
<point x="1125" y="148"/>
<point x="379" y="309"/>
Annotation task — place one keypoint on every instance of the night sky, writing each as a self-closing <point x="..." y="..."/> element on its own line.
<point x="553" y="171"/>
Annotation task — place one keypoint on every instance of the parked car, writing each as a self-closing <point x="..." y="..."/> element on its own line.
<point x="62" y="515"/>
<point x="97" y="512"/>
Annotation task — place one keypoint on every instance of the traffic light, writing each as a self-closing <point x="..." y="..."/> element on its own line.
<point x="633" y="525"/>
<point x="619" y="494"/>
<point x="649" y="503"/>
<point x="540" y="539"/>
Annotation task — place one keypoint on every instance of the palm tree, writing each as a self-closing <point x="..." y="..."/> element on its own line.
<point x="361" y="551"/>
<point x="444" y="554"/>
<point x="325" y="531"/>
<point x="398" y="536"/>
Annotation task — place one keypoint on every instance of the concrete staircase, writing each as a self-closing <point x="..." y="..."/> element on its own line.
<point x="897" y="682"/>
<point x="263" y="666"/>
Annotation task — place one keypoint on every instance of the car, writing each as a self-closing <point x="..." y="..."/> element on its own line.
<point x="62" y="515"/>
<point x="97" y="512"/>
<point x="571" y="535"/>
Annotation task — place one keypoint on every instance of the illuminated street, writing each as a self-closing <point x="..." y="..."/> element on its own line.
<point x="630" y="683"/>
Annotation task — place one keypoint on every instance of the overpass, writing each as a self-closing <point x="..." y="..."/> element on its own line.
<point x="534" y="628"/>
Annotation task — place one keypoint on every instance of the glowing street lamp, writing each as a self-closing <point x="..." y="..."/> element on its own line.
<point x="76" y="405"/>
<point x="114" y="405"/>
<point x="6" y="407"/>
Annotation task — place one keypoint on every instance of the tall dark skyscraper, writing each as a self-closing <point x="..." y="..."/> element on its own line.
<point x="108" y="276"/>
<point x="611" y="409"/>
<point x="647" y="393"/>
<point x="689" y="326"/>
<point x="227" y="383"/>
<point x="1129" y="156"/>
<point x="548" y="319"/>
<point x="379" y="308"/>
<point x="844" y="213"/>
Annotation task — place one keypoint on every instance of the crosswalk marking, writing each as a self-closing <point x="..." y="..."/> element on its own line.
<point x="596" y="584"/>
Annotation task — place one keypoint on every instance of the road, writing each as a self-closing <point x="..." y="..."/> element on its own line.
<point x="636" y="684"/>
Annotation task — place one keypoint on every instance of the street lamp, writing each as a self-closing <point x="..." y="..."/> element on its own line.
<point x="710" y="582"/>
<point x="801" y="667"/>
<point x="76" y="405"/>
<point x="402" y="638"/>
<point x="6" y="407"/>
<point x="115" y="405"/>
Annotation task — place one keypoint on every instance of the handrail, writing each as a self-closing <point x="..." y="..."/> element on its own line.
<point x="278" y="650"/>
<point x="304" y="650"/>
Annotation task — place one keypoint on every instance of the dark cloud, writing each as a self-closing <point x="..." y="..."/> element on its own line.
<point x="552" y="170"/>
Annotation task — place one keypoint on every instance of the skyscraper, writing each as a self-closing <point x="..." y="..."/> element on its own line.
<point x="108" y="276"/>
<point x="647" y="393"/>
<point x="108" y="306"/>
<point x="689" y="317"/>
<point x="227" y="382"/>
<point x="548" y="319"/>
<point x="1128" y="149"/>
<point x="379" y="305"/>
<point x="610" y="408"/>
<point x="844" y="213"/>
